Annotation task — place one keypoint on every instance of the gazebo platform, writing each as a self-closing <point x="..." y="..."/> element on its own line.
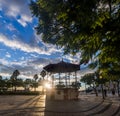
<point x="62" y="94"/>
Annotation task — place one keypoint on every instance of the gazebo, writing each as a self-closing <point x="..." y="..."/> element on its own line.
<point x="67" y="91"/>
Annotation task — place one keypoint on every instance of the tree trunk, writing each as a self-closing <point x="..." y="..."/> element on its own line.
<point x="96" y="91"/>
<point x="110" y="6"/>
<point x="118" y="88"/>
<point x="85" y="89"/>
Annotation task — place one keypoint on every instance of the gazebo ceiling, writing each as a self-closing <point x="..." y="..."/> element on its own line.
<point x="62" y="67"/>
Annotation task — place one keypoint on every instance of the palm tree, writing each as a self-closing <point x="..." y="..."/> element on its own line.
<point x="35" y="84"/>
<point x="43" y="74"/>
<point x="16" y="73"/>
<point x="35" y="77"/>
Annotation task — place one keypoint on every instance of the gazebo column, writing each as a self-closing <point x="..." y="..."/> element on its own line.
<point x="75" y="77"/>
<point x="59" y="78"/>
<point x="66" y="80"/>
<point x="69" y="78"/>
<point x="52" y="81"/>
<point x="47" y="75"/>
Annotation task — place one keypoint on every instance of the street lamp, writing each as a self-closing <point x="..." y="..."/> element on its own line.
<point x="103" y="94"/>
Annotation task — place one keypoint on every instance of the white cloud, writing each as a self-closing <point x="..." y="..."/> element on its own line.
<point x="3" y="61"/>
<point x="22" y="22"/>
<point x="33" y="55"/>
<point x="15" y="44"/>
<point x="49" y="47"/>
<point x="24" y="19"/>
<point x="8" y="55"/>
<point x="73" y="59"/>
<point x="11" y="27"/>
<point x="15" y="9"/>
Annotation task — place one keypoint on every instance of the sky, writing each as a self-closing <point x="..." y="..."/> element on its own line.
<point x="20" y="47"/>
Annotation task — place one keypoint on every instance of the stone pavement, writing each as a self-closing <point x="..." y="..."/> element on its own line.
<point x="86" y="105"/>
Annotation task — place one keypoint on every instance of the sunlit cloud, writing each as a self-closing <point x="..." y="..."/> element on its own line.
<point x="27" y="68"/>
<point x="5" y="75"/>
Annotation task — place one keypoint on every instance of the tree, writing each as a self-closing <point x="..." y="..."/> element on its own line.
<point x="95" y="79"/>
<point x="114" y="76"/>
<point x="14" y="78"/>
<point x="0" y="77"/>
<point x="8" y="83"/>
<point x="1" y="83"/>
<point x="28" y="84"/>
<point x="87" y="26"/>
<point x="90" y="80"/>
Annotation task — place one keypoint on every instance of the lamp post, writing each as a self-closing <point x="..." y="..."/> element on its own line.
<point x="95" y="78"/>
<point x="103" y="95"/>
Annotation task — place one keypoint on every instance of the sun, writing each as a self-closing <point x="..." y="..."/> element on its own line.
<point x="47" y="86"/>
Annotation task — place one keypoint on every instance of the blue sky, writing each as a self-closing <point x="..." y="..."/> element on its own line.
<point x="20" y="47"/>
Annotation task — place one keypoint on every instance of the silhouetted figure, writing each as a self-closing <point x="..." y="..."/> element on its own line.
<point x="113" y="91"/>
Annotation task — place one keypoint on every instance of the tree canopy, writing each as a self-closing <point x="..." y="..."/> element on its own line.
<point x="91" y="27"/>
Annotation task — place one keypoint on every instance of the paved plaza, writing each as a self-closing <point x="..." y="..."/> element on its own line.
<point x="86" y="105"/>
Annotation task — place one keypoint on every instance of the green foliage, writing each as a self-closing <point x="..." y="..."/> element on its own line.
<point x="101" y="81"/>
<point x="13" y="81"/>
<point x="76" y="85"/>
<point x="88" y="78"/>
<point x="86" y="26"/>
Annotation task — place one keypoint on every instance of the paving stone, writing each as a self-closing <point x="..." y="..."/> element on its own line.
<point x="87" y="105"/>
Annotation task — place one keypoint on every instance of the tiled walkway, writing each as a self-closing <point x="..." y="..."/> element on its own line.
<point x="87" y="105"/>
